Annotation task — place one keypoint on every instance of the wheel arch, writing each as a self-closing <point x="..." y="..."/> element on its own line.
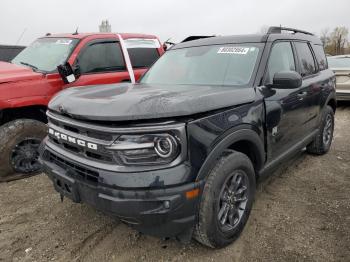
<point x="244" y="140"/>
<point x="332" y="102"/>
<point x="35" y="112"/>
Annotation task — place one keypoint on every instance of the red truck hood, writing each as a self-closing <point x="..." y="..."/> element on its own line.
<point x="13" y="73"/>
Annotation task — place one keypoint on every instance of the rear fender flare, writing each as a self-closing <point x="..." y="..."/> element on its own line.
<point x="332" y="96"/>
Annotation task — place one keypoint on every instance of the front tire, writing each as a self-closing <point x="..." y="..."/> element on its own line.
<point x="323" y="140"/>
<point x="19" y="142"/>
<point x="226" y="201"/>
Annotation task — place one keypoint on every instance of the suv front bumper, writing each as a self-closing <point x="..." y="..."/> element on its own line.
<point x="163" y="212"/>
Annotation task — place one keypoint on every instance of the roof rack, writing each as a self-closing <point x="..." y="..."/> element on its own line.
<point x="279" y="29"/>
<point x="195" y="37"/>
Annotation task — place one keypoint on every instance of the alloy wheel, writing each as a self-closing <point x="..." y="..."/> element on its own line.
<point x="327" y="130"/>
<point x="25" y="156"/>
<point x="232" y="200"/>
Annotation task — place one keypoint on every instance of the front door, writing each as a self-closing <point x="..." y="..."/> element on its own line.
<point x="286" y="109"/>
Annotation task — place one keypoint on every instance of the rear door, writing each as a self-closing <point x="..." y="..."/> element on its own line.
<point x="310" y="91"/>
<point x="101" y="62"/>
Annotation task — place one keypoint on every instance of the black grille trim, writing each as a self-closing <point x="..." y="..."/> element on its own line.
<point x="101" y="156"/>
<point x="83" y="131"/>
<point x="74" y="170"/>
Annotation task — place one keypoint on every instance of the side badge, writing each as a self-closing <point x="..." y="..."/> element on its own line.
<point x="61" y="109"/>
<point x="274" y="131"/>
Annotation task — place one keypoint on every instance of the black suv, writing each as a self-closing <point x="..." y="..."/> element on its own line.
<point x="178" y="154"/>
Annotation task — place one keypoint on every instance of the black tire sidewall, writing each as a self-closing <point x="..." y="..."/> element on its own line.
<point x="317" y="146"/>
<point x="232" y="162"/>
<point x="328" y="111"/>
<point x="11" y="134"/>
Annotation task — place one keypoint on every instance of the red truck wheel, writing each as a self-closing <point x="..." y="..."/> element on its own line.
<point x="19" y="143"/>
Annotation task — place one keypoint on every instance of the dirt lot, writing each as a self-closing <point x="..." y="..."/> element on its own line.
<point x="301" y="213"/>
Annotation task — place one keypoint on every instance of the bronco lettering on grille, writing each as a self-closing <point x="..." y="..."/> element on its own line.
<point x="72" y="140"/>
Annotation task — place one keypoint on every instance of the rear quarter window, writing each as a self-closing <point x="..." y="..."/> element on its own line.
<point x="142" y="57"/>
<point x="320" y="57"/>
<point x="142" y="52"/>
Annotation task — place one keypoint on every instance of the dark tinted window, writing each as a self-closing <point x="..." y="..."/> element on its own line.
<point x="143" y="57"/>
<point x="320" y="56"/>
<point x="306" y="59"/>
<point x="281" y="59"/>
<point x="101" y="57"/>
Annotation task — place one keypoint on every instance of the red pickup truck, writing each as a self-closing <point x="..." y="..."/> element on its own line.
<point x="51" y="64"/>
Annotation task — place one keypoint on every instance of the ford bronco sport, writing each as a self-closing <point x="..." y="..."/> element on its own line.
<point x="31" y="79"/>
<point x="178" y="154"/>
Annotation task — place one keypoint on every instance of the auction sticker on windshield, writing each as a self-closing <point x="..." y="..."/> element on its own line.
<point x="64" y="41"/>
<point x="233" y="50"/>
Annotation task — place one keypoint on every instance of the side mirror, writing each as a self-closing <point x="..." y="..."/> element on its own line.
<point x="67" y="73"/>
<point x="287" y="80"/>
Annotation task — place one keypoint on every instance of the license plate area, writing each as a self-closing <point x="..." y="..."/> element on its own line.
<point x="66" y="186"/>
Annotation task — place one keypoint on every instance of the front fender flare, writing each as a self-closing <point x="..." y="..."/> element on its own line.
<point x="239" y="134"/>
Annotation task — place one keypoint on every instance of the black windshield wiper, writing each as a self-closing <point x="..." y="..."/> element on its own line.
<point x="31" y="66"/>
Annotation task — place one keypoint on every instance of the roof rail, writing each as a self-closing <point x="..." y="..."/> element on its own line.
<point x="279" y="29"/>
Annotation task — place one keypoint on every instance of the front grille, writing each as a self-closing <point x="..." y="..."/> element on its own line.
<point x="101" y="156"/>
<point x="81" y="132"/>
<point x="73" y="170"/>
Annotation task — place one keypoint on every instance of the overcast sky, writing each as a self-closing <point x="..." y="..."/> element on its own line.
<point x="165" y="18"/>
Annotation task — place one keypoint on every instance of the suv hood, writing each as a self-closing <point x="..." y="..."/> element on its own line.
<point x="120" y="102"/>
<point x="13" y="73"/>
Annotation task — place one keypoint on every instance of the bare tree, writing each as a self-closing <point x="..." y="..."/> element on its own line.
<point x="339" y="39"/>
<point x="325" y="38"/>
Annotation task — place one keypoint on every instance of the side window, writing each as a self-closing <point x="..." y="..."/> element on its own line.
<point x="320" y="57"/>
<point x="306" y="59"/>
<point x="281" y="59"/>
<point x="101" y="57"/>
<point x="142" y="57"/>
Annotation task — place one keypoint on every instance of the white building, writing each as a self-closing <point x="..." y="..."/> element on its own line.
<point x="105" y="27"/>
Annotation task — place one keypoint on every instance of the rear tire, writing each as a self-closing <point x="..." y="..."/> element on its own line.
<point x="221" y="219"/>
<point x="19" y="141"/>
<point x="323" y="140"/>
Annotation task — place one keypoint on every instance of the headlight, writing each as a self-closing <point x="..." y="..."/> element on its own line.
<point x="149" y="149"/>
<point x="165" y="146"/>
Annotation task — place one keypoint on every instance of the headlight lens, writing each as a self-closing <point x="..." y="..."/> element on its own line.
<point x="150" y="149"/>
<point x="165" y="146"/>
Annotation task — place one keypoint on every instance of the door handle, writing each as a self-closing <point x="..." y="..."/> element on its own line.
<point x="302" y="95"/>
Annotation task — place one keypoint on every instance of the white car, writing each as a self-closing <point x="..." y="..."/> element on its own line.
<point x="341" y="66"/>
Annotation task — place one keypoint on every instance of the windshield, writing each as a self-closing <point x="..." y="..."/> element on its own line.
<point x="205" y="65"/>
<point x="45" y="54"/>
<point x="338" y="62"/>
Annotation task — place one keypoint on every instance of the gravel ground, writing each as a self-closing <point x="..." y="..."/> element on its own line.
<point x="301" y="212"/>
